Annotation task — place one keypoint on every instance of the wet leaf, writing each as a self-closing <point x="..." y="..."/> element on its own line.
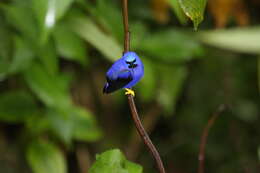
<point x="178" y="11"/>
<point x="194" y="9"/>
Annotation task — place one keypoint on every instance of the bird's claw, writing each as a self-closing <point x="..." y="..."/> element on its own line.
<point x="129" y="92"/>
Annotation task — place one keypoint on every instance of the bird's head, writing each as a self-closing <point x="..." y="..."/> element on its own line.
<point x="130" y="59"/>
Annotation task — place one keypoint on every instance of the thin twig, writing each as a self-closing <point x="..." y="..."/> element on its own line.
<point x="204" y="137"/>
<point x="149" y="121"/>
<point x="131" y="101"/>
<point x="126" y="26"/>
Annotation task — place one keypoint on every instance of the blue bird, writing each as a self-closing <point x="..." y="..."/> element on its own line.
<point x="124" y="73"/>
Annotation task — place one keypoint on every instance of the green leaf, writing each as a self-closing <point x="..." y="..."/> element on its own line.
<point x="23" y="56"/>
<point x="171" y="84"/>
<point x="194" y="9"/>
<point x="108" y="15"/>
<point x="89" y="31"/>
<point x="69" y="45"/>
<point x="171" y="46"/>
<point x="74" y="122"/>
<point x="48" y="12"/>
<point x="16" y="106"/>
<point x="147" y="85"/>
<point x="113" y="161"/>
<point x="20" y="16"/>
<point x="5" y="49"/>
<point x="48" y="56"/>
<point x="178" y="11"/>
<point x="51" y="89"/>
<point x="61" y="124"/>
<point x="245" y="40"/>
<point x="45" y="157"/>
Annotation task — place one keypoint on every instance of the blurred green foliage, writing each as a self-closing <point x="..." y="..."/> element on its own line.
<point x="53" y="59"/>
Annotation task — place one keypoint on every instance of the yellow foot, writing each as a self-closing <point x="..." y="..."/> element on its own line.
<point x="129" y="92"/>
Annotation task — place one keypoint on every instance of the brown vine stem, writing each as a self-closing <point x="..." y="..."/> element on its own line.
<point x="134" y="113"/>
<point x="204" y="137"/>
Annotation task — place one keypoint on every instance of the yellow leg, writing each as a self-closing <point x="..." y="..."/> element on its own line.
<point x="129" y="91"/>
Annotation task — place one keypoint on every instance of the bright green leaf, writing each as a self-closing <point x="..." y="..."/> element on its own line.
<point x="16" y="106"/>
<point x="113" y="161"/>
<point x="69" y="45"/>
<point x="89" y="31"/>
<point x="45" y="157"/>
<point x="245" y="40"/>
<point x="48" y="12"/>
<point x="194" y="9"/>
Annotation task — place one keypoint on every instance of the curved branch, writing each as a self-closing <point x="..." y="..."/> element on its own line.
<point x="204" y="137"/>
<point x="131" y="101"/>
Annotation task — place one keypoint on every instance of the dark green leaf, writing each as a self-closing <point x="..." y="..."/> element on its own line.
<point x="45" y="157"/>
<point x="147" y="85"/>
<point x="194" y="9"/>
<point x="171" y="46"/>
<point x="74" y="122"/>
<point x="108" y="15"/>
<point x="20" y="16"/>
<point x="171" y="84"/>
<point x="51" y="89"/>
<point x="16" y="106"/>
<point x="113" y="161"/>
<point x="5" y="49"/>
<point x="48" y="56"/>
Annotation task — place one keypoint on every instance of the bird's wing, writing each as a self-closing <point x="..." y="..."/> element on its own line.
<point x="118" y="80"/>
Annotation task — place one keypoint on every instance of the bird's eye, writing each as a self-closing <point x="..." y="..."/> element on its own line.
<point x="131" y="62"/>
